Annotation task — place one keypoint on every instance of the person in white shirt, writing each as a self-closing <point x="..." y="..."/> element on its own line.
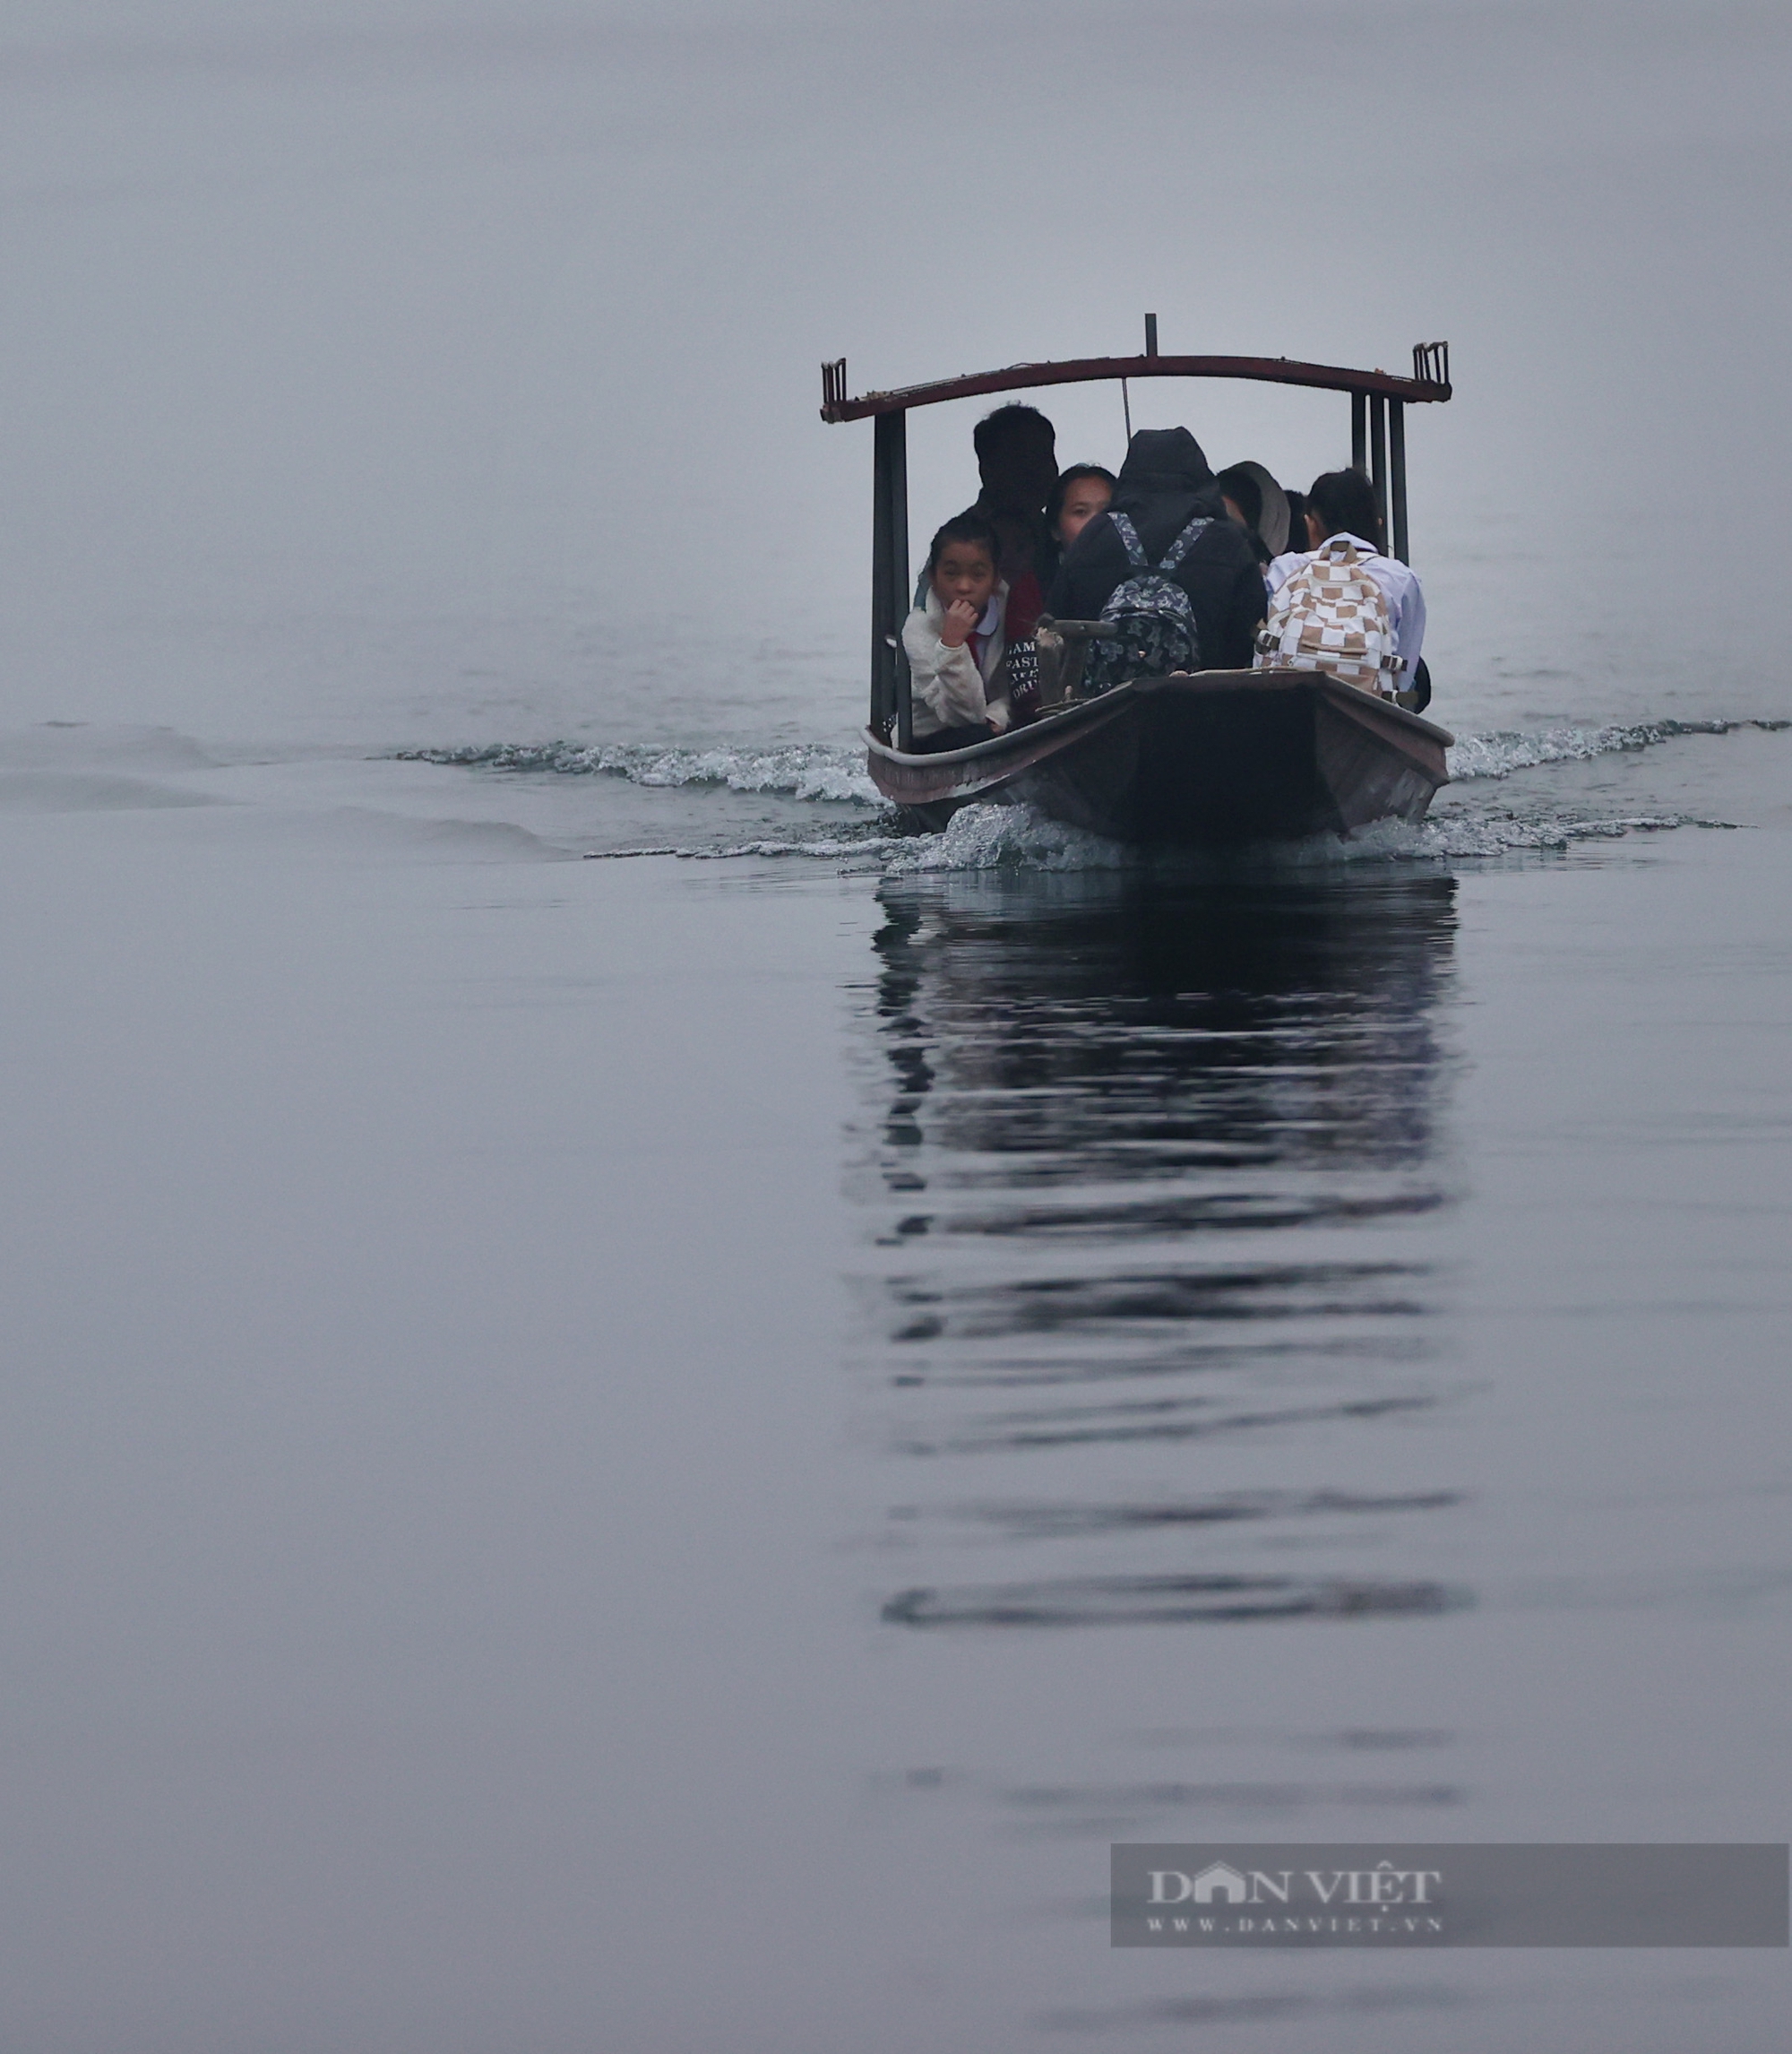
<point x="1343" y="503"/>
<point x="954" y="642"/>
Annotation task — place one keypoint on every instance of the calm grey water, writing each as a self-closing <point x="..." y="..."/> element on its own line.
<point x="659" y="1452"/>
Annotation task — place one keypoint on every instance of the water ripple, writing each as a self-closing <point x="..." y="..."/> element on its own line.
<point x="1168" y="1601"/>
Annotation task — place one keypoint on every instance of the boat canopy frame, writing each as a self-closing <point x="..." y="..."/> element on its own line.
<point x="1378" y="403"/>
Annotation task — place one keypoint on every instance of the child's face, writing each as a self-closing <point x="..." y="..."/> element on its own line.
<point x="1085" y="499"/>
<point x="964" y="572"/>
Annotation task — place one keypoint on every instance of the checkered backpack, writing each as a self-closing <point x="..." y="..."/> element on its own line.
<point x="1152" y="612"/>
<point x="1332" y="616"/>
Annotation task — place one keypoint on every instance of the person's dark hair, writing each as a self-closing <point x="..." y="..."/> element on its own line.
<point x="1077" y="472"/>
<point x="1007" y="426"/>
<point x="1296" y="518"/>
<point x="1344" y="501"/>
<point x="966" y="527"/>
<point x="1245" y="493"/>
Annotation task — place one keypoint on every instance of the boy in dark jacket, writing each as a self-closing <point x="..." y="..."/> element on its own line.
<point x="1164" y="484"/>
<point x="1017" y="462"/>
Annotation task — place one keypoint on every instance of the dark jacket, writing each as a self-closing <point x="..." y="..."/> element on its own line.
<point x="1164" y="483"/>
<point x="1029" y="563"/>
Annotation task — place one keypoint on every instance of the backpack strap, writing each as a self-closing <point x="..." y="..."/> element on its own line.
<point x="1184" y="542"/>
<point x="1129" y="539"/>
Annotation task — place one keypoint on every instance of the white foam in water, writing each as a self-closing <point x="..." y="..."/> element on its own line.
<point x="1015" y="837"/>
<point x="1460" y="836"/>
<point x="863" y="847"/>
<point x="808" y="771"/>
<point x="1500" y="754"/>
<point x="990" y="837"/>
<point x="820" y="772"/>
<point x="984" y="837"/>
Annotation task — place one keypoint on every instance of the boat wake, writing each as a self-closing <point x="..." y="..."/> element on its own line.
<point x="1467" y="824"/>
<point x="1500" y="754"/>
<point x="805" y="770"/>
<point x="831" y="772"/>
<point x="1012" y="837"/>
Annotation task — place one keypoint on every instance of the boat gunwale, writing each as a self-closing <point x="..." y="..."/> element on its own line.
<point x="1001" y="750"/>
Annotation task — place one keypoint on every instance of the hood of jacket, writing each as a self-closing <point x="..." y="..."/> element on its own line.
<point x="1161" y="463"/>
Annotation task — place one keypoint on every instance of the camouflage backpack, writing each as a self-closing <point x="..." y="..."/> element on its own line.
<point x="1332" y="615"/>
<point x="1156" y="623"/>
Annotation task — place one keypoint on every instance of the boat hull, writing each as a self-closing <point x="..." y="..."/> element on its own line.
<point x="1214" y="761"/>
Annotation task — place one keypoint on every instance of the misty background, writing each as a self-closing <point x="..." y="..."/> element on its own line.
<point x="447" y="368"/>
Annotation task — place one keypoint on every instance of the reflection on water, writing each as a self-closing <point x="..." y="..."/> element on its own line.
<point x="1146" y="1157"/>
<point x="1152" y="1174"/>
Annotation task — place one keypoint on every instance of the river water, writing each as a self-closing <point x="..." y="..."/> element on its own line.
<point x="661" y="1452"/>
<point x="645" y="1412"/>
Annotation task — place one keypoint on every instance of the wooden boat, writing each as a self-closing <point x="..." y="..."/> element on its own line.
<point x="1218" y="758"/>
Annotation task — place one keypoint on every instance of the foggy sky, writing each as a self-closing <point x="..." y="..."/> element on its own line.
<point x="350" y="349"/>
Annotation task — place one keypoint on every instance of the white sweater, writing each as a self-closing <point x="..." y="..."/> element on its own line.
<point x="949" y="689"/>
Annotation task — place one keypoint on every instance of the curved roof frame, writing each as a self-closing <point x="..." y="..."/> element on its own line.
<point x="1430" y="380"/>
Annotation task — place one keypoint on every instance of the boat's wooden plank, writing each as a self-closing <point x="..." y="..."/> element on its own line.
<point x="1393" y="726"/>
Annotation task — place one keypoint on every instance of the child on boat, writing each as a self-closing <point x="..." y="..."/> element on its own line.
<point x="954" y="642"/>
<point x="1343" y="522"/>
<point x="1082" y="492"/>
<point x="1166" y="506"/>
<point x="1018" y="466"/>
<point x="1260" y="506"/>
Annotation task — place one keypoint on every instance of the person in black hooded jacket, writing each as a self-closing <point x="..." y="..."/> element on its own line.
<point x="1164" y="484"/>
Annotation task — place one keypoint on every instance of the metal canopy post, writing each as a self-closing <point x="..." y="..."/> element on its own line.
<point x="1378" y="460"/>
<point x="890" y="701"/>
<point x="1397" y="475"/>
<point x="1359" y="430"/>
<point x="882" y="656"/>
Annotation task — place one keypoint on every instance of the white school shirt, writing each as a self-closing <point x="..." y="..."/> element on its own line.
<point x="949" y="688"/>
<point x="1399" y="587"/>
